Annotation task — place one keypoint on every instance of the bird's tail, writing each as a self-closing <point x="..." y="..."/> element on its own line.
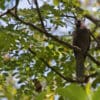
<point x="80" y="68"/>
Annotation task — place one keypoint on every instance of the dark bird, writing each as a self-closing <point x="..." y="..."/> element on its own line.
<point x="37" y="84"/>
<point x="81" y="39"/>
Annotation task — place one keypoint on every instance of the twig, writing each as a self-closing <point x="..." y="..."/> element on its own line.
<point x="46" y="33"/>
<point x="93" y="59"/>
<point x="91" y="18"/>
<point x="9" y="10"/>
<point x="39" y="14"/>
<point x="29" y="2"/>
<point x="54" y="38"/>
<point x="3" y="13"/>
<point x="52" y="68"/>
<point x="88" y="16"/>
<point x="91" y="33"/>
<point x="94" y="20"/>
<point x="49" y="35"/>
<point x="16" y="6"/>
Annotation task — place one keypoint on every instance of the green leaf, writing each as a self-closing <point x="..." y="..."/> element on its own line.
<point x="96" y="94"/>
<point x="2" y="3"/>
<point x="73" y="92"/>
<point x="41" y="96"/>
<point x="56" y="2"/>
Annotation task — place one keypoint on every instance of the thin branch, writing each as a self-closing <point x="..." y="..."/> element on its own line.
<point x="93" y="59"/>
<point x="9" y="10"/>
<point x="39" y="14"/>
<point x="54" y="38"/>
<point x="46" y="33"/>
<point x="90" y="17"/>
<point x="90" y="76"/>
<point x="16" y="6"/>
<point x="5" y="13"/>
<point x="93" y="19"/>
<point x="52" y="68"/>
<point x="49" y="35"/>
<point x="29" y="2"/>
<point x="92" y="35"/>
<point x="61" y="75"/>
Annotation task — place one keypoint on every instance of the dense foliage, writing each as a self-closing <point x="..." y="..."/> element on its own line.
<point x="36" y="56"/>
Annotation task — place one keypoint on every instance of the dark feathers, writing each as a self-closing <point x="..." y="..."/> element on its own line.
<point x="81" y="38"/>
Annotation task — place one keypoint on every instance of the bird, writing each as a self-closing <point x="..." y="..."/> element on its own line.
<point x="81" y="39"/>
<point x="37" y="84"/>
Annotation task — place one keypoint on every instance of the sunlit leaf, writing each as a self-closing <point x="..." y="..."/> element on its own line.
<point x="73" y="92"/>
<point x="56" y="2"/>
<point x="96" y="94"/>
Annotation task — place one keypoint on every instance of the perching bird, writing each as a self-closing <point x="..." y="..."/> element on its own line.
<point x="81" y="39"/>
<point x="37" y="84"/>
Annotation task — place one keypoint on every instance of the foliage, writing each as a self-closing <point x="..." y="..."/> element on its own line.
<point x="19" y="66"/>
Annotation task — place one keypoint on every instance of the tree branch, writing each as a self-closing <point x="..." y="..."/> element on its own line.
<point x="3" y="13"/>
<point x="9" y="10"/>
<point x="90" y="17"/>
<point x="52" y="68"/>
<point x="39" y="14"/>
<point x="16" y="6"/>
<point x="54" y="38"/>
<point x="48" y="34"/>
<point x="94" y="20"/>
<point x="93" y="59"/>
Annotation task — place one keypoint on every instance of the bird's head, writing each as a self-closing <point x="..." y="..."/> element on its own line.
<point x="78" y="23"/>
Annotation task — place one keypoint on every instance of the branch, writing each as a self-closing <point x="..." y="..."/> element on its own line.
<point x="93" y="59"/>
<point x="39" y="14"/>
<point x="90" y="17"/>
<point x="92" y="35"/>
<point x="16" y="6"/>
<point x="52" y="68"/>
<point x="46" y="33"/>
<point x="9" y="10"/>
<point x="53" y="37"/>
<point x="93" y="19"/>
<point x="61" y="75"/>
<point x="6" y="12"/>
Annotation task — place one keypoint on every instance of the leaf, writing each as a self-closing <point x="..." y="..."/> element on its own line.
<point x="73" y="92"/>
<point x="41" y="96"/>
<point x="56" y="2"/>
<point x="96" y="94"/>
<point x="88" y="88"/>
<point x="2" y="4"/>
<point x="50" y="96"/>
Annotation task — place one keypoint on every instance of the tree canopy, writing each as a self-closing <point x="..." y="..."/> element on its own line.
<point x="36" y="51"/>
